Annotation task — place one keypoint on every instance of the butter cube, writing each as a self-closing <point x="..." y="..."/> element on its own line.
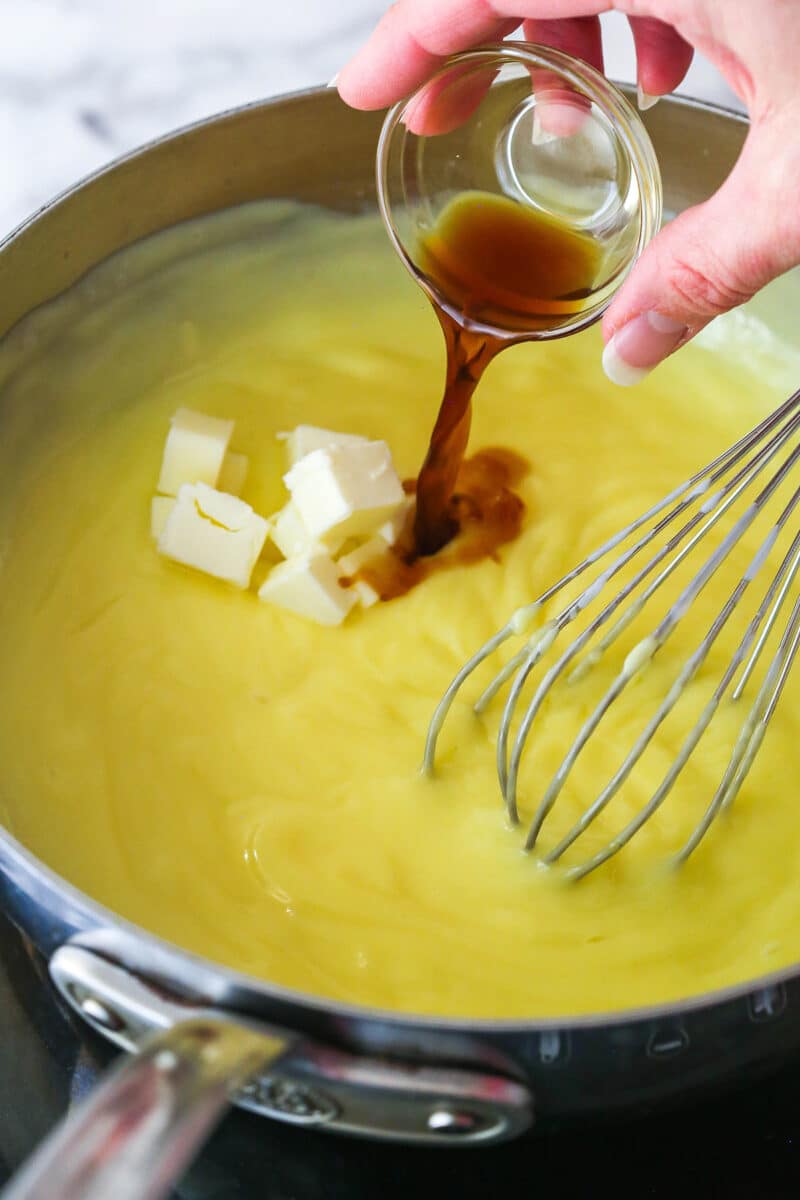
<point x="233" y="474"/>
<point x="160" y="508"/>
<point x="308" y="585"/>
<point x="213" y="532"/>
<point x="351" y="564"/>
<point x="390" y="530"/>
<point x="367" y="596"/>
<point x="289" y="534"/>
<point x="194" y="452"/>
<point x="345" y="490"/>
<point x="305" y="438"/>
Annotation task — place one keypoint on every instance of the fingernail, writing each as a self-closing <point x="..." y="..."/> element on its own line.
<point x="334" y="81"/>
<point x="644" y="99"/>
<point x="639" y="346"/>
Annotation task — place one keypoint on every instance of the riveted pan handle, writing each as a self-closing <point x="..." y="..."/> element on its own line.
<point x="140" y="1128"/>
<point x="133" y="1137"/>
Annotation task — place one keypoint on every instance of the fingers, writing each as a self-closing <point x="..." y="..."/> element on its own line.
<point x="709" y="259"/>
<point x="444" y="104"/>
<point x="712" y="257"/>
<point x="578" y="36"/>
<point x="560" y="111"/>
<point x="415" y="35"/>
<point x="410" y="42"/>
<point x="662" y="58"/>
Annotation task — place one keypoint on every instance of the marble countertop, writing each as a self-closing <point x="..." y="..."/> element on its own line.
<point x="83" y="81"/>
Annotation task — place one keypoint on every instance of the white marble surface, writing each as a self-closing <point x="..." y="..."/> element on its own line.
<point x="82" y="81"/>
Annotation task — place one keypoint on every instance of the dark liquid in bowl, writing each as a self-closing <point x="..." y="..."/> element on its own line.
<point x="500" y="264"/>
<point x="505" y="265"/>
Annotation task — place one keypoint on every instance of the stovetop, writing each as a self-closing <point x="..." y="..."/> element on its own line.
<point x="747" y="1144"/>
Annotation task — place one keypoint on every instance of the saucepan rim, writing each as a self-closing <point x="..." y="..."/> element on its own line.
<point x="99" y="918"/>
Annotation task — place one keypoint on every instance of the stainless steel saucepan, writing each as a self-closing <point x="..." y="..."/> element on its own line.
<point x="207" y="1036"/>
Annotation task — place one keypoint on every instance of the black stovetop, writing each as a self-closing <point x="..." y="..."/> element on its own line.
<point x="745" y="1145"/>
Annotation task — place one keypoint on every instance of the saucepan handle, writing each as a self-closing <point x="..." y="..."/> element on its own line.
<point x="138" y="1130"/>
<point x="133" y="1137"/>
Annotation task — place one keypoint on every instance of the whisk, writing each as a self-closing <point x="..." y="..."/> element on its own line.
<point x="661" y="539"/>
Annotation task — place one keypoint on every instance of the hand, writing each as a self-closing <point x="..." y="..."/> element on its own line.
<point x="710" y="258"/>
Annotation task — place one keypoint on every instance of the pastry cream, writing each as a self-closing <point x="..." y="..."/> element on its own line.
<point x="247" y="784"/>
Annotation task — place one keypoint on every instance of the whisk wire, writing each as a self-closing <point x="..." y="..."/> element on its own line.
<point x="699" y="505"/>
<point x="751" y="734"/>
<point x="790" y="563"/>
<point x="521" y="621"/>
<point x="657" y="638"/>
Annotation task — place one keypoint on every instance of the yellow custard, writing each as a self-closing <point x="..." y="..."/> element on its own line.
<point x="245" y="783"/>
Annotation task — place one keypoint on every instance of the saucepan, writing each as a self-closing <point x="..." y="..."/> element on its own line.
<point x="202" y="1036"/>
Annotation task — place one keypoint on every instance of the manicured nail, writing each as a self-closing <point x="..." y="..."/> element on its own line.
<point x="334" y="81"/>
<point x="644" y="99"/>
<point x="639" y="346"/>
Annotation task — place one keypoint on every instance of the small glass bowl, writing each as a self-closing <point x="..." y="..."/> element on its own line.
<point x="543" y="129"/>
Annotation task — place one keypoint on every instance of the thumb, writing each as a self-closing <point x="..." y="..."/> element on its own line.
<point x="711" y="258"/>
